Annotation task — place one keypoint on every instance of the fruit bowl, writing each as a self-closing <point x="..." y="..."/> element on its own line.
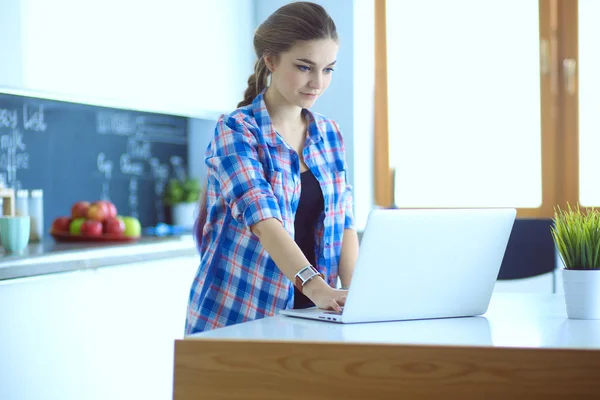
<point x="97" y="221"/>
<point x="67" y="237"/>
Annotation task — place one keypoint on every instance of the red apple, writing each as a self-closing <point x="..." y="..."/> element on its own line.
<point x="111" y="209"/>
<point x="91" y="228"/>
<point x="80" y="209"/>
<point x="97" y="212"/>
<point x="61" y="224"/>
<point x="114" y="226"/>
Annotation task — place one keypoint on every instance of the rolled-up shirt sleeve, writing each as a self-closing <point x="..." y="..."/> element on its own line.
<point x="233" y="158"/>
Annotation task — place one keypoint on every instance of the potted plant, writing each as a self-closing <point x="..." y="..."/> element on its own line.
<point x="576" y="233"/>
<point x="182" y="196"/>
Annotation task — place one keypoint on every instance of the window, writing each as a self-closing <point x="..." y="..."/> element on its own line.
<point x="589" y="101"/>
<point x="480" y="103"/>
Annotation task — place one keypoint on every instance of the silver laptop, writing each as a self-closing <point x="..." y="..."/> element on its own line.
<point x="424" y="263"/>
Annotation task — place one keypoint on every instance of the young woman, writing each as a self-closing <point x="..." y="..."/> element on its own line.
<point x="275" y="228"/>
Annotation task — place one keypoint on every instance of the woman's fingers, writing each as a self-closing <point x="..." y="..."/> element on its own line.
<point x="334" y="299"/>
<point x="335" y="305"/>
<point x="341" y="296"/>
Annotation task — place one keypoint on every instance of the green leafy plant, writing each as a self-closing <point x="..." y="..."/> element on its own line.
<point x="576" y="233"/>
<point x="177" y="191"/>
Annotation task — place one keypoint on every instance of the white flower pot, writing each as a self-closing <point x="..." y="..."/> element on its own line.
<point x="582" y="293"/>
<point x="184" y="214"/>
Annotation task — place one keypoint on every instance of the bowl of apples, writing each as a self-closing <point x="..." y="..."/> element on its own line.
<point x="96" y="221"/>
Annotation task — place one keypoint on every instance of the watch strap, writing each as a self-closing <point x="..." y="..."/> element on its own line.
<point x="299" y="282"/>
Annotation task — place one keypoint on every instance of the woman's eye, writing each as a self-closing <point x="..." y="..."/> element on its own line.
<point x="303" y="68"/>
<point x="329" y="70"/>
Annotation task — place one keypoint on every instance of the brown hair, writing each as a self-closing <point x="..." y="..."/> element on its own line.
<point x="299" y="21"/>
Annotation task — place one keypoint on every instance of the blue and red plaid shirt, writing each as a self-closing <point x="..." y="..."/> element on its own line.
<point x="253" y="174"/>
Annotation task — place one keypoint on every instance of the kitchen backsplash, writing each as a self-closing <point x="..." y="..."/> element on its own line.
<point x="79" y="152"/>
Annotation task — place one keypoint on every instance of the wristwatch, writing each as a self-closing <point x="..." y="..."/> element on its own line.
<point x="306" y="274"/>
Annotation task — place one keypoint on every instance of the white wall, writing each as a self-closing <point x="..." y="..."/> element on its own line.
<point x="364" y="100"/>
<point x="11" y="65"/>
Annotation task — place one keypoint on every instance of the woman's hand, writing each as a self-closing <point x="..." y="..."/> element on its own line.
<point x="323" y="295"/>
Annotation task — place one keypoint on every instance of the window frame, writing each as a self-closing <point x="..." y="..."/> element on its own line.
<point x="558" y="109"/>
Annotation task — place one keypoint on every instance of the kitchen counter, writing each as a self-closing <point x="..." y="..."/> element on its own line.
<point x="512" y="320"/>
<point x="49" y="256"/>
<point x="523" y="347"/>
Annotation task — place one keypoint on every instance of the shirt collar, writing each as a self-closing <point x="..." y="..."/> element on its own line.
<point x="261" y="115"/>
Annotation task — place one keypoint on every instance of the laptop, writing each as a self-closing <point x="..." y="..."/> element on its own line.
<point x="422" y="264"/>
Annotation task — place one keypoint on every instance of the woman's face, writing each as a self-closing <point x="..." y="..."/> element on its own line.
<point x="303" y="73"/>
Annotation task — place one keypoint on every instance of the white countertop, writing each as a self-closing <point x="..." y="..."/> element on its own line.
<point x="512" y="320"/>
<point x="50" y="256"/>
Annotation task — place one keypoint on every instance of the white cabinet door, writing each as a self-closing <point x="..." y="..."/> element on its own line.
<point x="97" y="334"/>
<point x="182" y="57"/>
<point x="139" y="312"/>
<point x="41" y="336"/>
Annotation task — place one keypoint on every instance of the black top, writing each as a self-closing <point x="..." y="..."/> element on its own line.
<point x="309" y="209"/>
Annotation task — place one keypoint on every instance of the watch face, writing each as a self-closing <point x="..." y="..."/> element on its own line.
<point x="307" y="273"/>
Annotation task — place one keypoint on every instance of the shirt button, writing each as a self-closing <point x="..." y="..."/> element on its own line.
<point x="326" y="209"/>
<point x="326" y="244"/>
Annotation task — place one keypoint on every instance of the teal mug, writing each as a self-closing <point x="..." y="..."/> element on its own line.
<point x="14" y="232"/>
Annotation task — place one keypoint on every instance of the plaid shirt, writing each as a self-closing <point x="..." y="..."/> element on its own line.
<point x="254" y="175"/>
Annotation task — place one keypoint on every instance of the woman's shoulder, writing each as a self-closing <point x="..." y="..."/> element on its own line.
<point x="240" y="116"/>
<point x="241" y="120"/>
<point x="236" y="127"/>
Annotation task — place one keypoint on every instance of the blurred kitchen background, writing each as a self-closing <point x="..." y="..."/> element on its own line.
<point x="442" y="103"/>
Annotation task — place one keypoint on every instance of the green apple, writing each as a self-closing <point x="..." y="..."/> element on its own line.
<point x="133" y="228"/>
<point x="75" y="226"/>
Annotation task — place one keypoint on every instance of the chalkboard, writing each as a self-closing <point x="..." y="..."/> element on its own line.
<point x="81" y="152"/>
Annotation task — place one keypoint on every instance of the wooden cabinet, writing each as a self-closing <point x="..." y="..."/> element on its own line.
<point x="182" y="57"/>
<point x="94" y="334"/>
